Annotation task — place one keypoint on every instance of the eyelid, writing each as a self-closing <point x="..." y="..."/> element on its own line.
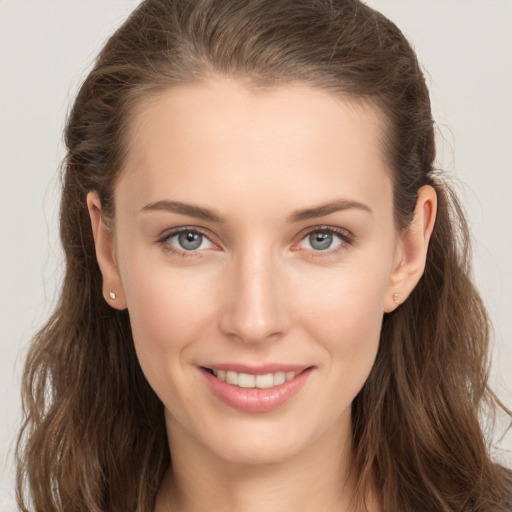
<point x="163" y="238"/>
<point x="346" y="236"/>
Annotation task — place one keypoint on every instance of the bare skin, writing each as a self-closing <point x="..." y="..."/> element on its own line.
<point x="256" y="228"/>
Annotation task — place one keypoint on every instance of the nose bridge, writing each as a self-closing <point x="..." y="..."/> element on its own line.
<point x="257" y="309"/>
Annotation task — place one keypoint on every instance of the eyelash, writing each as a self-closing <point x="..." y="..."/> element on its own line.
<point x="166" y="246"/>
<point x="345" y="236"/>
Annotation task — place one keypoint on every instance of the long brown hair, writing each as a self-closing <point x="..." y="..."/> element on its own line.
<point x="94" y="435"/>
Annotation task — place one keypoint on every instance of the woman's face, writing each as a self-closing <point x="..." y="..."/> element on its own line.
<point x="255" y="240"/>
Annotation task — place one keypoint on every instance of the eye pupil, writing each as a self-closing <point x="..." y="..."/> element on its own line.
<point x="320" y="240"/>
<point x="190" y="240"/>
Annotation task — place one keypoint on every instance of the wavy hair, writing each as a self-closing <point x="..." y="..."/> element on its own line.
<point x="94" y="437"/>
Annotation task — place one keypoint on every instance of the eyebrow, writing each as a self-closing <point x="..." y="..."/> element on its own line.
<point x="184" y="209"/>
<point x="326" y="209"/>
<point x="297" y="216"/>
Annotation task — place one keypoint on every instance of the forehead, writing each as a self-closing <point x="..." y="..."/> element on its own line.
<point x="295" y="139"/>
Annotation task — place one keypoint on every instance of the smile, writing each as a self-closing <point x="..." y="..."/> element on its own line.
<point x="262" y="390"/>
<point x="247" y="380"/>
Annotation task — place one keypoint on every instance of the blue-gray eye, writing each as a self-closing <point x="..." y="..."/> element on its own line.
<point x="189" y="240"/>
<point x="321" y="240"/>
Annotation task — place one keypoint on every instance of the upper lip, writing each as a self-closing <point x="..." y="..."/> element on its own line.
<point x="261" y="369"/>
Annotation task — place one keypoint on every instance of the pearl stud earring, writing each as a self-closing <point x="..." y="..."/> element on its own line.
<point x="112" y="295"/>
<point x="396" y="299"/>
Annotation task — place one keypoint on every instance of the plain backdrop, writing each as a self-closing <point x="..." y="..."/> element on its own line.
<point x="46" y="48"/>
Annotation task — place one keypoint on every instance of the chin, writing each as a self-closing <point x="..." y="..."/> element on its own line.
<point x="273" y="452"/>
<point x="261" y="442"/>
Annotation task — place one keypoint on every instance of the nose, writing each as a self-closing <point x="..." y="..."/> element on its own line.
<point x="257" y="305"/>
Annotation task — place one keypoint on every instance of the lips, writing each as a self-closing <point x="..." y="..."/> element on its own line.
<point x="250" y="389"/>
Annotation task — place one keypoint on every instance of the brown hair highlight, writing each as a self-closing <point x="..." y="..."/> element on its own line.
<point x="94" y="435"/>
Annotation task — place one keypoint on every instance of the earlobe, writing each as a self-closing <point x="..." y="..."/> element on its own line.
<point x="414" y="242"/>
<point x="105" y="254"/>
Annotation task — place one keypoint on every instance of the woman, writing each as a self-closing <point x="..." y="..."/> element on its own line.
<point x="267" y="301"/>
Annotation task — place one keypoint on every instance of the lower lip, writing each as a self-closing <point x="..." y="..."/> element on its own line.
<point x="255" y="399"/>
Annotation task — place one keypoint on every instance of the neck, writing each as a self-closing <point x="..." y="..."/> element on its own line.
<point x="316" y="479"/>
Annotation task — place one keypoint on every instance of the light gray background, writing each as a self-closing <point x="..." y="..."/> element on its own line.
<point x="46" y="48"/>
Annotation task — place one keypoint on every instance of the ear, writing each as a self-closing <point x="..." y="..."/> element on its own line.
<point x="412" y="249"/>
<point x="105" y="254"/>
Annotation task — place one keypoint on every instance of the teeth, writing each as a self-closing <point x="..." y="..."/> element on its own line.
<point x="264" y="381"/>
<point x="280" y="378"/>
<point x="247" y="380"/>
<point x="232" y="378"/>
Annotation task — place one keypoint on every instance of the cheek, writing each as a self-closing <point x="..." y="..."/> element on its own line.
<point x="349" y="300"/>
<point x="168" y="310"/>
<point x="344" y="313"/>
